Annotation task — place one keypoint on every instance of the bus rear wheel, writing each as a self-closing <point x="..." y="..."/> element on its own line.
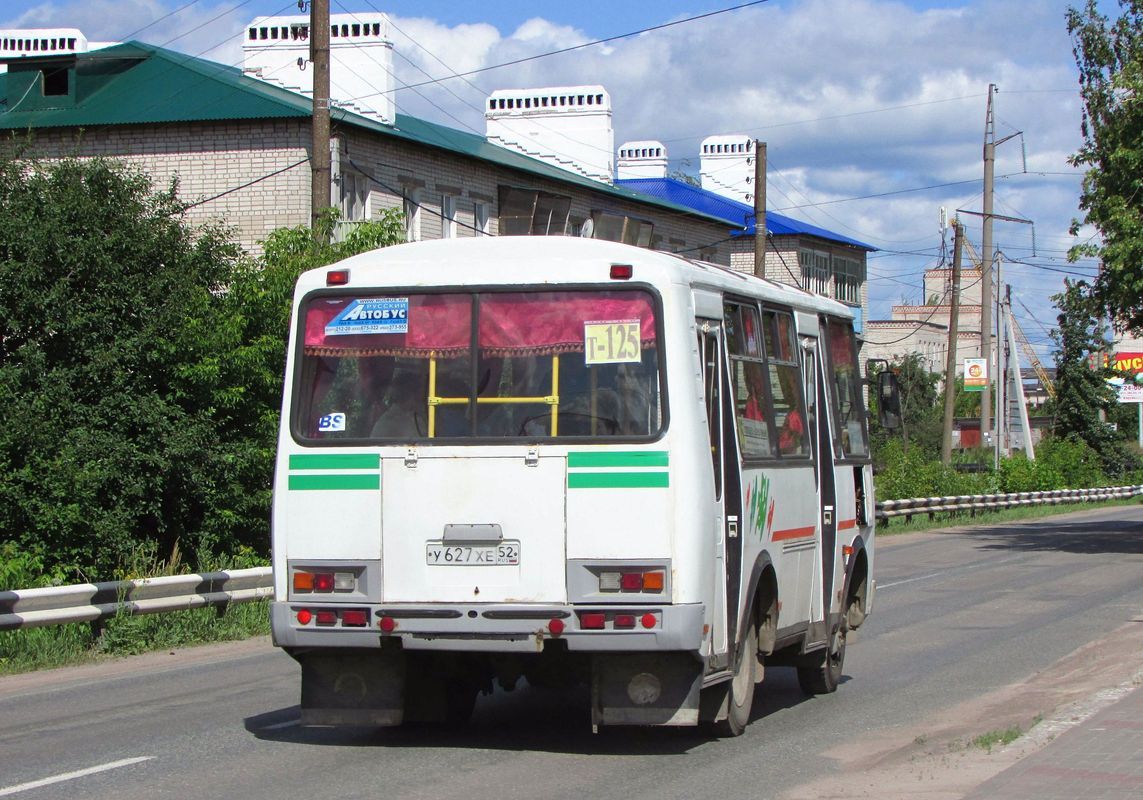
<point x="824" y="676"/>
<point x="740" y="693"/>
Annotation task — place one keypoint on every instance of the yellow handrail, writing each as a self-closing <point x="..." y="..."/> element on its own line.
<point x="552" y="399"/>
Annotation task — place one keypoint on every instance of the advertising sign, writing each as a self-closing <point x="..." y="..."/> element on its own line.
<point x="975" y="374"/>
<point x="1128" y="387"/>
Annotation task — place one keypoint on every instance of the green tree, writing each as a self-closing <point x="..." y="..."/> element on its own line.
<point x="1083" y="396"/>
<point x="109" y="307"/>
<point x="141" y="368"/>
<point x="1109" y="55"/>
<point x="921" y="411"/>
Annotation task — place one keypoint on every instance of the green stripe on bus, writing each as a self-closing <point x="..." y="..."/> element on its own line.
<point x="335" y="461"/>
<point x="324" y="482"/>
<point x="618" y="480"/>
<point x="634" y="458"/>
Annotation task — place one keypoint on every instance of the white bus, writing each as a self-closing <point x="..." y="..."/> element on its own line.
<point x="572" y="461"/>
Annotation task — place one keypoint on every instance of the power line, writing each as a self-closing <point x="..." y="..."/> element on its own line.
<point x="591" y="43"/>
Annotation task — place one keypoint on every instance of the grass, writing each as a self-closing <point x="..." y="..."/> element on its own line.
<point x="949" y="519"/>
<point x="81" y="642"/>
<point x="997" y="738"/>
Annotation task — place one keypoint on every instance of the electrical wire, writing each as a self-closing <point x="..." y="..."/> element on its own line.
<point x="595" y="42"/>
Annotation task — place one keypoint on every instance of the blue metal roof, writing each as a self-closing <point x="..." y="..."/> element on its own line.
<point x="739" y="215"/>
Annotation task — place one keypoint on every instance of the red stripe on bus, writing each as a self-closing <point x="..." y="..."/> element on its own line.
<point x="846" y="524"/>
<point x="793" y="533"/>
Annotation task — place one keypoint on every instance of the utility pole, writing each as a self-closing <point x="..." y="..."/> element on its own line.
<point x="986" y="265"/>
<point x="319" y="147"/>
<point x="951" y="354"/>
<point x="759" y="208"/>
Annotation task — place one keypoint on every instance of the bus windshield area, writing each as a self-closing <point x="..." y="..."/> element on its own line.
<point x="525" y="364"/>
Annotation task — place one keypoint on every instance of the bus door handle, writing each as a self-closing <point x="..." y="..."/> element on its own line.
<point x="827" y="516"/>
<point x="732" y="527"/>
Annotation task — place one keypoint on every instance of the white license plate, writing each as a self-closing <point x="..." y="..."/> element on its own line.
<point x="506" y="553"/>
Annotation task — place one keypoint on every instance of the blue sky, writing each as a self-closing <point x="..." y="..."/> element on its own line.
<point x="863" y="103"/>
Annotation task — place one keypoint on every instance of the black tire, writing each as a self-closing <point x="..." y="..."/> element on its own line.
<point x="740" y="691"/>
<point x="460" y="700"/>
<point x="824" y="676"/>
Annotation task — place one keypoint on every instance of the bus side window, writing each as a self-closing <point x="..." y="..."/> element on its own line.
<point x="708" y="351"/>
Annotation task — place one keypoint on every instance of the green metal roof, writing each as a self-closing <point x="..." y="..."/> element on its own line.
<point x="136" y="83"/>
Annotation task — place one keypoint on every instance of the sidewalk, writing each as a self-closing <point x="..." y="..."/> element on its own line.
<point x="1101" y="758"/>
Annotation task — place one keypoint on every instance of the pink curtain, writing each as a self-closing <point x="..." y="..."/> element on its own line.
<point x="510" y="324"/>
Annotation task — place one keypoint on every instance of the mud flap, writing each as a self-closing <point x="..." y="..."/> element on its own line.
<point x="353" y="688"/>
<point x="645" y="689"/>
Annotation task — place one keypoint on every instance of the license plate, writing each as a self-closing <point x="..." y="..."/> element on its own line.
<point x="506" y="553"/>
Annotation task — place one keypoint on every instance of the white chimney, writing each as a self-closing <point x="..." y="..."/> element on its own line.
<point x="646" y="159"/>
<point x="727" y="166"/>
<point x="20" y="42"/>
<point x="566" y="126"/>
<point x="277" y="50"/>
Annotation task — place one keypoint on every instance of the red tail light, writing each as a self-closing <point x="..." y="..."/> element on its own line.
<point x="337" y="277"/>
<point x="631" y="581"/>
<point x="327" y="618"/>
<point x="355" y="617"/>
<point x="624" y="621"/>
<point x="323" y="582"/>
<point x="593" y="620"/>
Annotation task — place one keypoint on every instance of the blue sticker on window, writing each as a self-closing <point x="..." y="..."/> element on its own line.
<point x="371" y="315"/>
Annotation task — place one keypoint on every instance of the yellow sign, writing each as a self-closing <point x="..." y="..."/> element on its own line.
<point x="611" y="342"/>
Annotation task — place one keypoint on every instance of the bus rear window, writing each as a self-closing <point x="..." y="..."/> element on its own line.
<point x="493" y="365"/>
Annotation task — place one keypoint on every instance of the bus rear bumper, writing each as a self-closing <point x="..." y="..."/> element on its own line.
<point x="503" y="628"/>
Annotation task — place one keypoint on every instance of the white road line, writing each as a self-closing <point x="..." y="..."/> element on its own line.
<point x="950" y="571"/>
<point x="277" y="727"/>
<point x="70" y="776"/>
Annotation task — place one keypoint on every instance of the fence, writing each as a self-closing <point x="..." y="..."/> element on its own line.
<point x="972" y="503"/>
<point x="89" y="602"/>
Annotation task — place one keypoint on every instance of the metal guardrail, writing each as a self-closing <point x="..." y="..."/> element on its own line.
<point x="90" y="602"/>
<point x="87" y="602"/>
<point x="888" y="509"/>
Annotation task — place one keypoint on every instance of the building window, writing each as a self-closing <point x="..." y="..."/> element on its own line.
<point x="480" y="218"/>
<point x="448" y="216"/>
<point x="619" y="228"/>
<point x="815" y="271"/>
<point x="354" y="198"/>
<point x="530" y="212"/>
<point x="847" y="279"/>
<point x="54" y="82"/>
<point x="412" y="208"/>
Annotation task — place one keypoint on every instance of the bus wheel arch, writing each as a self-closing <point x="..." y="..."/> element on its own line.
<point x="857" y="587"/>
<point x="764" y="605"/>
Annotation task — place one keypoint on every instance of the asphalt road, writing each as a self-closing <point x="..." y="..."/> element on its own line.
<point x="957" y="614"/>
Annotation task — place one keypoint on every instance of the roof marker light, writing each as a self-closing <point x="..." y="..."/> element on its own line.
<point x="337" y="277"/>
<point x="621" y="272"/>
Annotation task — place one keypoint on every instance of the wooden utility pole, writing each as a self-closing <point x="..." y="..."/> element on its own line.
<point x="759" y="208"/>
<point x="950" y="356"/>
<point x="319" y="147"/>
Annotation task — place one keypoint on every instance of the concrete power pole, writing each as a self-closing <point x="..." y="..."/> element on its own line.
<point x="759" y="208"/>
<point x="319" y="148"/>
<point x="986" y="257"/>
<point x="950" y="356"/>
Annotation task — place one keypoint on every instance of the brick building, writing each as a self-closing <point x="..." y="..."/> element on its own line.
<point x="238" y="140"/>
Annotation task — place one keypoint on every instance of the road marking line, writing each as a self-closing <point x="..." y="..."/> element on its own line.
<point x="278" y="726"/>
<point x="950" y="571"/>
<point x="70" y="776"/>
